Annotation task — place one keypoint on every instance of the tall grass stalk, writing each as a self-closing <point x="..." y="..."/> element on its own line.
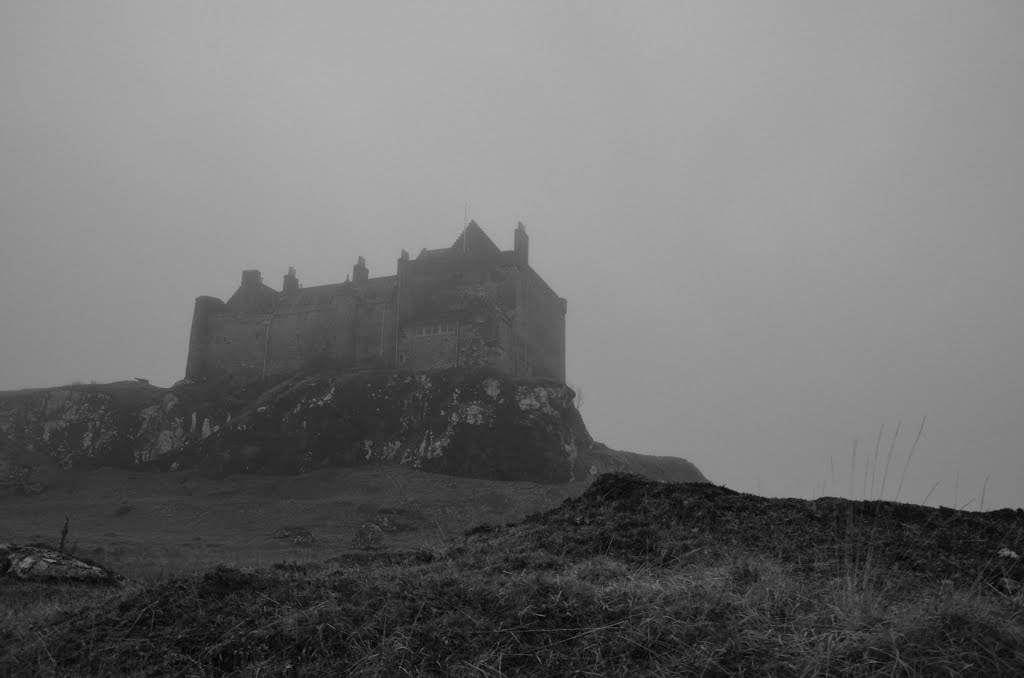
<point x="888" y="458"/>
<point x="874" y="463"/>
<point x="906" y="463"/>
<point x="832" y="472"/>
<point x="853" y="467"/>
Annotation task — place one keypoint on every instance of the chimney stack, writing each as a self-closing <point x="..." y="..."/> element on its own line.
<point x="359" y="272"/>
<point x="291" y="281"/>
<point x="522" y="243"/>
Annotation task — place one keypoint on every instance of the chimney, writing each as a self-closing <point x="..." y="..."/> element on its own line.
<point x="359" y="272"/>
<point x="291" y="281"/>
<point x="252" y="279"/>
<point x="522" y="243"/>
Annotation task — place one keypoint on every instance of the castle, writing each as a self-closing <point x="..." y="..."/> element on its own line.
<point x="468" y="305"/>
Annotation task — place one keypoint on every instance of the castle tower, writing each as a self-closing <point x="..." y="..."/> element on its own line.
<point x="359" y="272"/>
<point x="522" y="243"/>
<point x="291" y="281"/>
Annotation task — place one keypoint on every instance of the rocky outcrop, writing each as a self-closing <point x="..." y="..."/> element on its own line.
<point x="473" y="423"/>
<point x="37" y="563"/>
<point x="602" y="459"/>
<point x="119" y="424"/>
<point x="123" y="424"/>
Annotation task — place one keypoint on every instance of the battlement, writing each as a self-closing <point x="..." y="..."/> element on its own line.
<point x="467" y="305"/>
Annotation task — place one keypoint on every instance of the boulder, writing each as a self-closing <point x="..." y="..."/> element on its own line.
<point x="38" y="563"/>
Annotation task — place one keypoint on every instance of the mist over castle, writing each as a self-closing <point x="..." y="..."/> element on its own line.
<point x="468" y="305"/>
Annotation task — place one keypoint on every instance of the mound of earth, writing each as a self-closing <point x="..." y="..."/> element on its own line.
<point x="638" y="520"/>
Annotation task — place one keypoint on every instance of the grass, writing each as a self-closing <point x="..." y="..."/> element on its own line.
<point x="633" y="578"/>
<point x="168" y="522"/>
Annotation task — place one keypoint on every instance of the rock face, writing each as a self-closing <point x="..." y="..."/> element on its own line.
<point x="122" y="424"/>
<point x="460" y="422"/>
<point x="474" y="423"/>
<point x="36" y="563"/>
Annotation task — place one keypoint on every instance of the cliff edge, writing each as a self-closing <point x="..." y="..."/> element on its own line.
<point x="464" y="422"/>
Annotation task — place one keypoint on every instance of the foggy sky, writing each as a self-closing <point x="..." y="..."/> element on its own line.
<point x="779" y="226"/>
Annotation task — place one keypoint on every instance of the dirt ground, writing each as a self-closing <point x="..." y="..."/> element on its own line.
<point x="149" y="525"/>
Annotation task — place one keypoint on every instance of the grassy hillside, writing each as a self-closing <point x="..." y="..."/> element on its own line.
<point x="146" y="524"/>
<point x="633" y="578"/>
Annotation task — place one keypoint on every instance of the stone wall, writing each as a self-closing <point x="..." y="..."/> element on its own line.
<point x="236" y="343"/>
<point x="539" y="328"/>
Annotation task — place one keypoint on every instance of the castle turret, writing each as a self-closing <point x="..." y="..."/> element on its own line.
<point x="359" y="272"/>
<point x="291" y="281"/>
<point x="522" y="243"/>
<point x="199" y="338"/>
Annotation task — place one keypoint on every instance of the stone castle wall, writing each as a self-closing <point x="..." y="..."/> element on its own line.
<point x="470" y="305"/>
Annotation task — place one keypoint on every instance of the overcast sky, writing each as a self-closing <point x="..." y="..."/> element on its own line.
<point x="779" y="226"/>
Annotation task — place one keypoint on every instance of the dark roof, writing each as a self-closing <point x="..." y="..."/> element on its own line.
<point x="256" y="299"/>
<point x="473" y="240"/>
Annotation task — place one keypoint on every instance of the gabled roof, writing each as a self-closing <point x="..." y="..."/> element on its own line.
<point x="473" y="240"/>
<point x="255" y="299"/>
